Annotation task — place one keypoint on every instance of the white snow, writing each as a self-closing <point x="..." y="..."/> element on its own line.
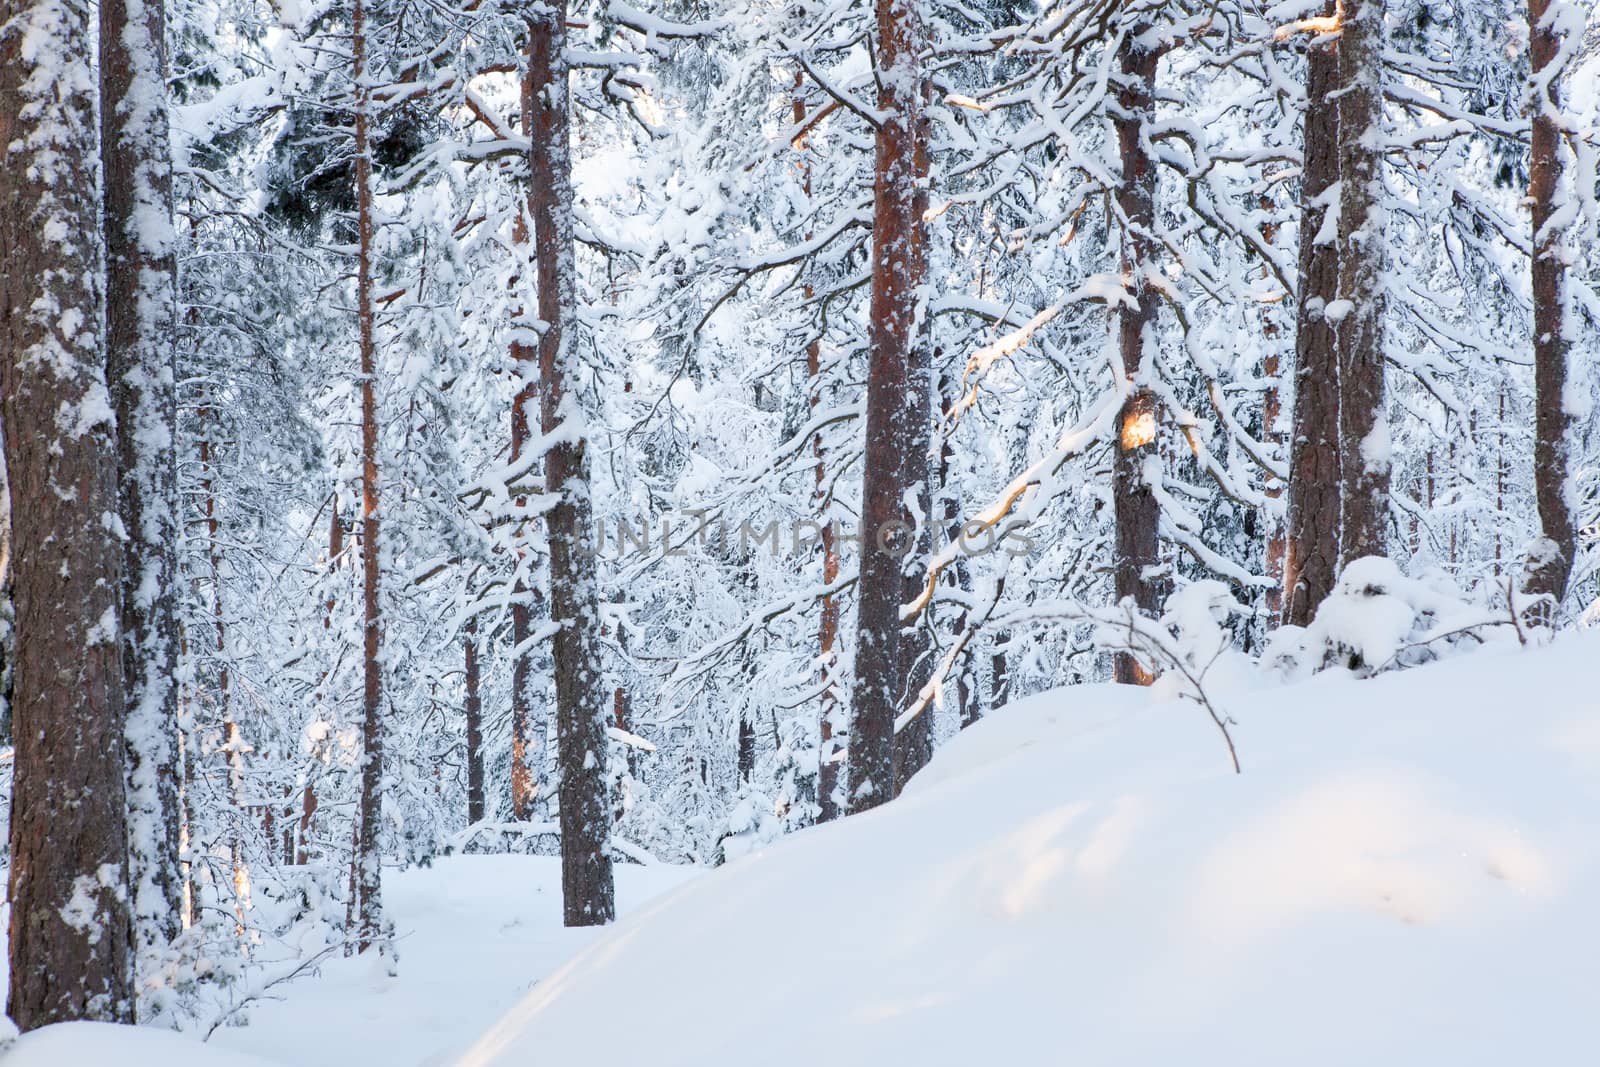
<point x="82" y="911"/>
<point x="473" y="933"/>
<point x="1404" y="874"/>
<point x="107" y="1045"/>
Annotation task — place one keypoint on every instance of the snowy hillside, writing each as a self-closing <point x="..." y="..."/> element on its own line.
<point x="1405" y="873"/>
<point x="473" y="932"/>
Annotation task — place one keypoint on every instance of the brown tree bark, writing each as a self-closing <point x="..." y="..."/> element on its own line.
<point x="141" y="317"/>
<point x="586" y="881"/>
<point x="1552" y="453"/>
<point x="1358" y="314"/>
<point x="893" y="431"/>
<point x="71" y="952"/>
<point x="369" y="858"/>
<point x="1311" y="560"/>
<point x="1137" y="512"/>
<point x="308" y="813"/>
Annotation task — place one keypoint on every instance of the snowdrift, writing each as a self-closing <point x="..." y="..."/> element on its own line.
<point x="1407" y="872"/>
<point x="107" y="1045"/>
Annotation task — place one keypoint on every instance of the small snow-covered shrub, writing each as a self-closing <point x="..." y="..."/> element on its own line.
<point x="1197" y="617"/>
<point x="1378" y="619"/>
<point x="1189" y="645"/>
<point x="752" y="824"/>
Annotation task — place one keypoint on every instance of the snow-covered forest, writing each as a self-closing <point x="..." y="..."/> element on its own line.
<point x="474" y="467"/>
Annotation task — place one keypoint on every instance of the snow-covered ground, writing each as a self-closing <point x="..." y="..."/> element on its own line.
<point x="1406" y="873"/>
<point x="105" y="1045"/>
<point x="474" y="933"/>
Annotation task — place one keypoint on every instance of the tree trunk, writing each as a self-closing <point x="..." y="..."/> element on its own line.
<point x="8" y="629"/>
<point x="913" y="744"/>
<point x="999" y="673"/>
<point x="895" y="395"/>
<point x="525" y="358"/>
<point x="1553" y="424"/>
<point x="71" y="950"/>
<point x="586" y="884"/>
<point x="475" y="792"/>
<point x="308" y="813"/>
<point x="308" y="792"/>
<point x="828" y="625"/>
<point x="1311" y="560"/>
<point x="369" y="860"/>
<point x="1137" y="512"/>
<point x="959" y="575"/>
<point x="141" y="318"/>
<point x="1358" y="314"/>
<point x="1271" y="414"/>
<point x="622" y="716"/>
<point x="232" y="740"/>
<point x="747" y="750"/>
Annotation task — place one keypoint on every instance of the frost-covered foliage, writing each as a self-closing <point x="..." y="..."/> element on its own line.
<point x="1378" y="619"/>
<point x="723" y="209"/>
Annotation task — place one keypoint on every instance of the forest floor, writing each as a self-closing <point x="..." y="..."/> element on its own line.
<point x="473" y="934"/>
<point x="1404" y="873"/>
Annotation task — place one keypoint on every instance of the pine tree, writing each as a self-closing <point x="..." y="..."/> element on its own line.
<point x="586" y="884"/>
<point x="1311" y="561"/>
<point x="1137" y="510"/>
<point x="1359" y="313"/>
<point x="897" y="398"/>
<point x="141" y="319"/>
<point x="368" y="859"/>
<point x="71" y="949"/>
<point x="1552" y="24"/>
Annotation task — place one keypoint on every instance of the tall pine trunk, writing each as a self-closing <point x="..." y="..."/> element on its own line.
<point x="1311" y="560"/>
<point x="586" y="884"/>
<point x="525" y="360"/>
<point x="141" y="320"/>
<point x="1553" y="424"/>
<point x="71" y="950"/>
<point x="1358" y="313"/>
<point x="1137" y="511"/>
<point x="368" y="859"/>
<point x="894" y="430"/>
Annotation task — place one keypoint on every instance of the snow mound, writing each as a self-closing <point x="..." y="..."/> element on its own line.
<point x="109" y="1045"/>
<point x="1405" y="873"/>
<point x="472" y="933"/>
